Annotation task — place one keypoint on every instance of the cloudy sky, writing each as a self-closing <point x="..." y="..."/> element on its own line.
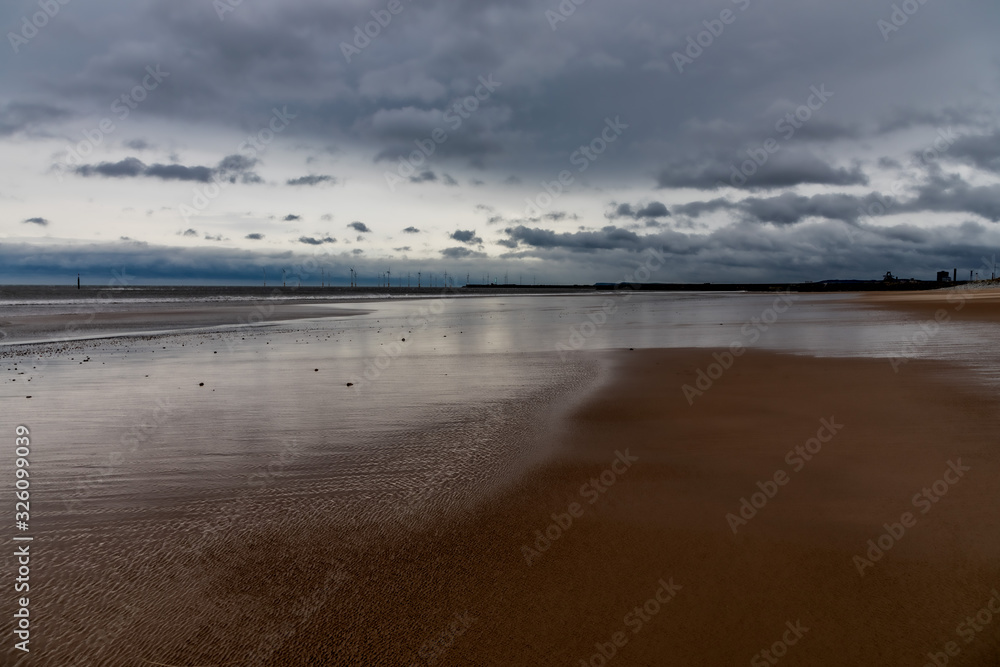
<point x="210" y="140"/>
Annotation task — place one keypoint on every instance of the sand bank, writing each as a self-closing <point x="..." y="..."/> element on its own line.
<point x="87" y="320"/>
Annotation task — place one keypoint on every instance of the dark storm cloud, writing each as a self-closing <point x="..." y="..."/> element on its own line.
<point x="311" y="180"/>
<point x="401" y="86"/>
<point x="231" y="168"/>
<point x="411" y="230"/>
<point x="41" y="222"/>
<point x="291" y="217"/>
<point x="359" y="227"/>
<point x="254" y="237"/>
<point x="466" y="236"/>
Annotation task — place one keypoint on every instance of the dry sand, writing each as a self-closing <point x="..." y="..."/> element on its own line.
<point x="961" y="304"/>
<point x="316" y="591"/>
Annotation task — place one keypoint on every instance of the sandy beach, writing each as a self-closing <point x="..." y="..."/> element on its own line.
<point x="635" y="507"/>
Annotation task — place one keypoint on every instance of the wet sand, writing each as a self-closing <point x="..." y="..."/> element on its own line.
<point x="312" y="588"/>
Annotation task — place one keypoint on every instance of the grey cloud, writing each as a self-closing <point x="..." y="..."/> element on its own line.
<point x="950" y="193"/>
<point x="310" y="240"/>
<point x="291" y="217"/>
<point x="982" y="151"/>
<point x="786" y="168"/>
<point x="254" y="237"/>
<point x="423" y="177"/>
<point x="231" y="168"/>
<point x="466" y="236"/>
<point x="653" y="209"/>
<point x="137" y="144"/>
<point x="42" y="222"/>
<point x="411" y="230"/>
<point x="359" y="227"/>
<point x="607" y="238"/>
<point x="460" y="253"/>
<point x="311" y="180"/>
